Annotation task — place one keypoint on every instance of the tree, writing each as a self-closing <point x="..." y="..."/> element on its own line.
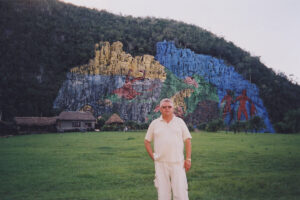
<point x="290" y="124"/>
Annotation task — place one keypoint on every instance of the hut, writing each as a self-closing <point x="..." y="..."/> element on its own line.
<point x="115" y="119"/>
<point x="75" y="121"/>
<point x="35" y="124"/>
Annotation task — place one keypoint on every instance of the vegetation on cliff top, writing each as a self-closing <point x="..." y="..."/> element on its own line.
<point x="42" y="39"/>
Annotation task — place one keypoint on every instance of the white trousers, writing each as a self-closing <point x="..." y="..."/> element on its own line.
<point x="171" y="176"/>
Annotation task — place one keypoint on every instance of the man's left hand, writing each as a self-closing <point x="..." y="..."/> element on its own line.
<point x="187" y="165"/>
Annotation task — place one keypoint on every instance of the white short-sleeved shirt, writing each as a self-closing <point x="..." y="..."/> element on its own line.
<point x="168" y="139"/>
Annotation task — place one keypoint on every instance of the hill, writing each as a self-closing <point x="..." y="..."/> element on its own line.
<point x="41" y="40"/>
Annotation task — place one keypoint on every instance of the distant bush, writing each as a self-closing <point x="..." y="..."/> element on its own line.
<point x="132" y="125"/>
<point x="113" y="127"/>
<point x="239" y="126"/>
<point x="290" y="124"/>
<point x="281" y="127"/>
<point x="190" y="127"/>
<point x="255" y="124"/>
<point x="201" y="126"/>
<point x="144" y="126"/>
<point x="214" y="125"/>
<point x="7" y="128"/>
<point x="100" y="123"/>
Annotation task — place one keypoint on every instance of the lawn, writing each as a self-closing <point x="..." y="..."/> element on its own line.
<point x="115" y="165"/>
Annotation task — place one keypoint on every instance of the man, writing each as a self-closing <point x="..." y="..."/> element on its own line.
<point x="170" y="134"/>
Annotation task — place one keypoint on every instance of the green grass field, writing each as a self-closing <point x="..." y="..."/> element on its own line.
<point x="115" y="165"/>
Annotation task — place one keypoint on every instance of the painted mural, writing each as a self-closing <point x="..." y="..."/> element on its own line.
<point x="241" y="98"/>
<point x="203" y="88"/>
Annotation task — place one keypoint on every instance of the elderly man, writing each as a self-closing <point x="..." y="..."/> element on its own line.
<point x="170" y="134"/>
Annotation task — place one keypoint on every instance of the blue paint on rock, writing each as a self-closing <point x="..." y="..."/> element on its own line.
<point x="184" y="62"/>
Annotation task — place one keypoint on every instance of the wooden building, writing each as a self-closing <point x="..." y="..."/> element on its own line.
<point x="75" y="121"/>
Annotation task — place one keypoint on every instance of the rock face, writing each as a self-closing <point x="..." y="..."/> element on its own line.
<point x="111" y="60"/>
<point x="116" y="82"/>
<point x="205" y="111"/>
<point x="185" y="63"/>
<point x="113" y="82"/>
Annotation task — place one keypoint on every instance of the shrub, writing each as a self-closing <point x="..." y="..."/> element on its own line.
<point x="201" y="126"/>
<point x="100" y="122"/>
<point x="256" y="124"/>
<point x="290" y="124"/>
<point x="190" y="127"/>
<point x="144" y="126"/>
<point x="214" y="125"/>
<point x="281" y="127"/>
<point x="239" y="126"/>
<point x="132" y="125"/>
<point x="113" y="127"/>
<point x="7" y="128"/>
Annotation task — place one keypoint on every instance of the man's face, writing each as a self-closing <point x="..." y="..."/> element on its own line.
<point x="166" y="109"/>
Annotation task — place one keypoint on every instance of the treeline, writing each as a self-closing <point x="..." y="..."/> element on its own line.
<point x="40" y="40"/>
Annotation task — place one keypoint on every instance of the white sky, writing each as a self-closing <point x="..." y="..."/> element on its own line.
<point x="269" y="29"/>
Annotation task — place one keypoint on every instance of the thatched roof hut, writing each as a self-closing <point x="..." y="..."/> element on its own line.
<point x="35" y="124"/>
<point x="76" y="115"/>
<point x="115" y="119"/>
<point x="35" y="121"/>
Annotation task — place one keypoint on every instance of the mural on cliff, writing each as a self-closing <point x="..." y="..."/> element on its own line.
<point x="203" y="88"/>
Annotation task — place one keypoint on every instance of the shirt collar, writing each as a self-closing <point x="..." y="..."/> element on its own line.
<point x="161" y="118"/>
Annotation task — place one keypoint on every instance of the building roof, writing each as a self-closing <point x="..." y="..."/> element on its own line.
<point x="35" y="121"/>
<point x="114" y="119"/>
<point x="76" y="115"/>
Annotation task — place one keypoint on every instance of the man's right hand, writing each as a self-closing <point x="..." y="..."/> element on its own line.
<point x="149" y="149"/>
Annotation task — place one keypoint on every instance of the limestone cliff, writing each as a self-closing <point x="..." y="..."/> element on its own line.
<point x="178" y="98"/>
<point x="203" y="88"/>
<point x="113" y="82"/>
<point x="112" y="60"/>
<point x="186" y="63"/>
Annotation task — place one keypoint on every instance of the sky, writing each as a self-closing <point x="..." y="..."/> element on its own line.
<point x="269" y="29"/>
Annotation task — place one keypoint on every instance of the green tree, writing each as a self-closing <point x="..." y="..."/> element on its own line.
<point x="290" y="124"/>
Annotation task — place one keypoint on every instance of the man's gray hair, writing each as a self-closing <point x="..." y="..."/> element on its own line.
<point x="166" y="100"/>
